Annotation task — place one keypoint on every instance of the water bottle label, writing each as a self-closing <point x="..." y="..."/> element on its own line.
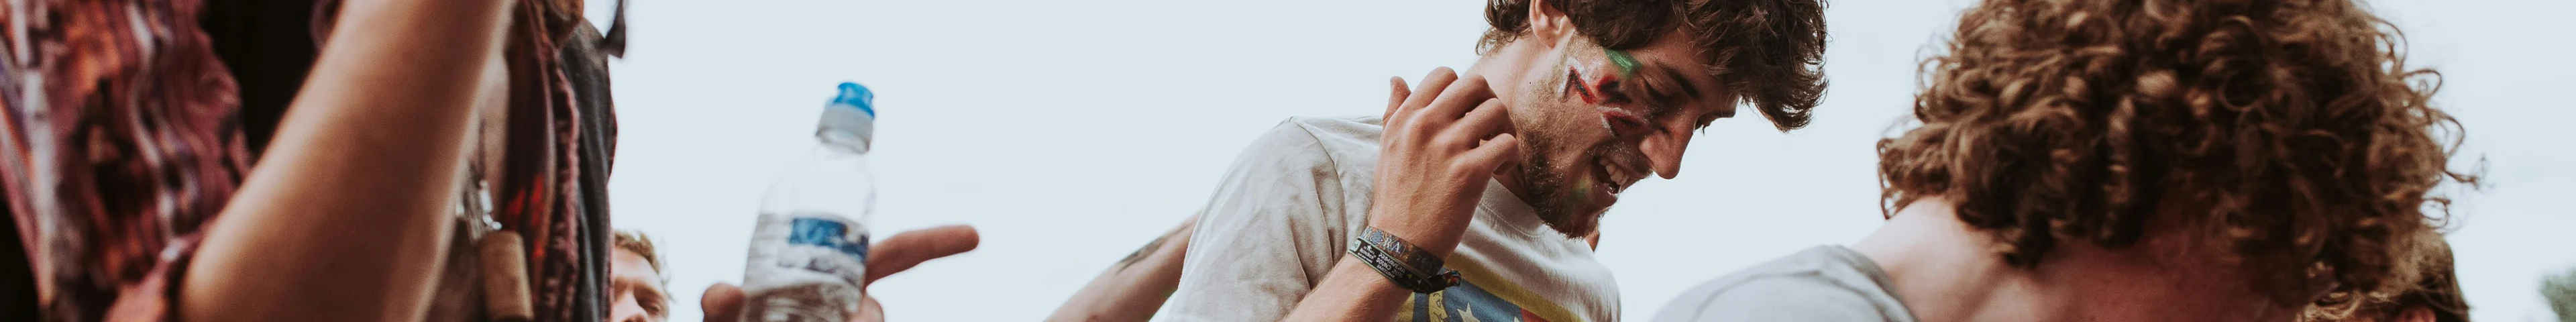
<point x="829" y="234"/>
<point x="816" y="259"/>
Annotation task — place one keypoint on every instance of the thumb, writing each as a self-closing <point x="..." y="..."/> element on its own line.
<point x="722" y="302"/>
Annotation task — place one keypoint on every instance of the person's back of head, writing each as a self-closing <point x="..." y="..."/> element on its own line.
<point x="2282" y="141"/>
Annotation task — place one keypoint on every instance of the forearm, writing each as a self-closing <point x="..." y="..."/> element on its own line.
<point x="1135" y="288"/>
<point x="342" y="218"/>
<point x="1351" y="292"/>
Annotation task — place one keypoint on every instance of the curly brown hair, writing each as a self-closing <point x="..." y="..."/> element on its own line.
<point x="2437" y="290"/>
<point x="1771" y="52"/>
<point x="2290" y="130"/>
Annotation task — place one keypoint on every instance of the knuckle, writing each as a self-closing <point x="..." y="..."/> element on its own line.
<point x="1463" y="170"/>
<point x="1453" y="140"/>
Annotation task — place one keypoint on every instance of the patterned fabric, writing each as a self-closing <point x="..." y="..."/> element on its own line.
<point x="120" y="138"/>
<point x="542" y="176"/>
<point x="123" y="133"/>
<point x="1482" y="296"/>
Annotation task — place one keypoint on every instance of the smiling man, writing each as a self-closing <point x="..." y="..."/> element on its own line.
<point x="1572" y="103"/>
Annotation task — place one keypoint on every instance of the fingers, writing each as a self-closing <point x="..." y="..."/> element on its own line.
<point x="722" y="302"/>
<point x="1395" y="101"/>
<point x="1485" y="121"/>
<point x="901" y="252"/>
<point x="1490" y="155"/>
<point x="1453" y="102"/>
<point x="1422" y="94"/>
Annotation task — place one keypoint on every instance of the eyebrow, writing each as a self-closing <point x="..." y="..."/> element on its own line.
<point x="646" y="293"/>
<point x="654" y="295"/>
<point x="1666" y="104"/>
<point x="1689" y="88"/>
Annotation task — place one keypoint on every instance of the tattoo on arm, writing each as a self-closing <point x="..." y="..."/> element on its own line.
<point x="1149" y="248"/>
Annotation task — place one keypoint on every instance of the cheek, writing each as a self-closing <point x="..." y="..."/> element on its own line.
<point x="1549" y="125"/>
<point x="626" y="306"/>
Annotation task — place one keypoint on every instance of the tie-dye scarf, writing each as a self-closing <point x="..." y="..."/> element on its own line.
<point x="120" y="138"/>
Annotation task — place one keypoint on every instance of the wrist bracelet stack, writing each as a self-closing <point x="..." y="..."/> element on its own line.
<point x="1407" y="265"/>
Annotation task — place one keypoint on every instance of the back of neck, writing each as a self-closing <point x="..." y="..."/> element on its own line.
<point x="1946" y="271"/>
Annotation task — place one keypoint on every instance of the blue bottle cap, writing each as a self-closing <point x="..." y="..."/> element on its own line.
<point x="858" y="96"/>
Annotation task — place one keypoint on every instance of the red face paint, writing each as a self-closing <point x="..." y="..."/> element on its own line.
<point x="1574" y="84"/>
<point x="1613" y="119"/>
<point x="1620" y="120"/>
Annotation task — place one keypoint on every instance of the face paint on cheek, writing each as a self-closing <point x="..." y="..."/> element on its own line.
<point x="1588" y="88"/>
<point x="1576" y="86"/>
<point x="1582" y="191"/>
<point x="1627" y="64"/>
<point x="1585" y="83"/>
<point x="1612" y="118"/>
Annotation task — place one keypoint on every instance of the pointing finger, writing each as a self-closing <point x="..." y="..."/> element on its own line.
<point x="907" y="249"/>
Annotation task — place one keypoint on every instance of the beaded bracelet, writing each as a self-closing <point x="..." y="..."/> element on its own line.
<point x="1381" y="251"/>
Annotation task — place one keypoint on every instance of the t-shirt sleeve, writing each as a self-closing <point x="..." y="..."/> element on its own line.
<point x="1776" y="298"/>
<point x="1271" y="228"/>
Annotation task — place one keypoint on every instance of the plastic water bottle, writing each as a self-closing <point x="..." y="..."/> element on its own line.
<point x="809" y="251"/>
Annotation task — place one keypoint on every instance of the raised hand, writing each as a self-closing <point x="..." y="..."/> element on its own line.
<point x="1443" y="141"/>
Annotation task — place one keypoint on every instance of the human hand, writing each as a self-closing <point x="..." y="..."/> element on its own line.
<point x="723" y="301"/>
<point x="1441" y="145"/>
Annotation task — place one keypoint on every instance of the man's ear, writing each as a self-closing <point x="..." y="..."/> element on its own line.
<point x="1547" y="23"/>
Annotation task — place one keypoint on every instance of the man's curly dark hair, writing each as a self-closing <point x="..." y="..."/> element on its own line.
<point x="2289" y="130"/>
<point x="1770" y="52"/>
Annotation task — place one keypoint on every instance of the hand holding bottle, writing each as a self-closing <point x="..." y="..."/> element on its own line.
<point x="723" y="302"/>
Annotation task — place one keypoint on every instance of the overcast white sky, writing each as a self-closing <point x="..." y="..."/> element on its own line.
<point x="1071" y="132"/>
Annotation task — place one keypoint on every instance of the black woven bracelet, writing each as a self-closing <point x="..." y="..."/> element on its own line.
<point x="1378" y="258"/>
<point x="1412" y="257"/>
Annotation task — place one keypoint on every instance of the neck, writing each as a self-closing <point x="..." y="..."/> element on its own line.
<point x="1944" y="270"/>
<point x="1508" y="63"/>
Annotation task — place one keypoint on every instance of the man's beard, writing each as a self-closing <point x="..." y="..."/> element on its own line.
<point x="1551" y="194"/>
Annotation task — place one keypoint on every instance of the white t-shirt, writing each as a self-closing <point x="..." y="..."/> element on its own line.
<point x="1283" y="214"/>
<point x="1825" y="283"/>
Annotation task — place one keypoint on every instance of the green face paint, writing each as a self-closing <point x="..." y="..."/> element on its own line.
<point x="1627" y="65"/>
<point x="1582" y="193"/>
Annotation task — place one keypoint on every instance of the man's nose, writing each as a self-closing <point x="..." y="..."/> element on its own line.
<point x="1664" y="150"/>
